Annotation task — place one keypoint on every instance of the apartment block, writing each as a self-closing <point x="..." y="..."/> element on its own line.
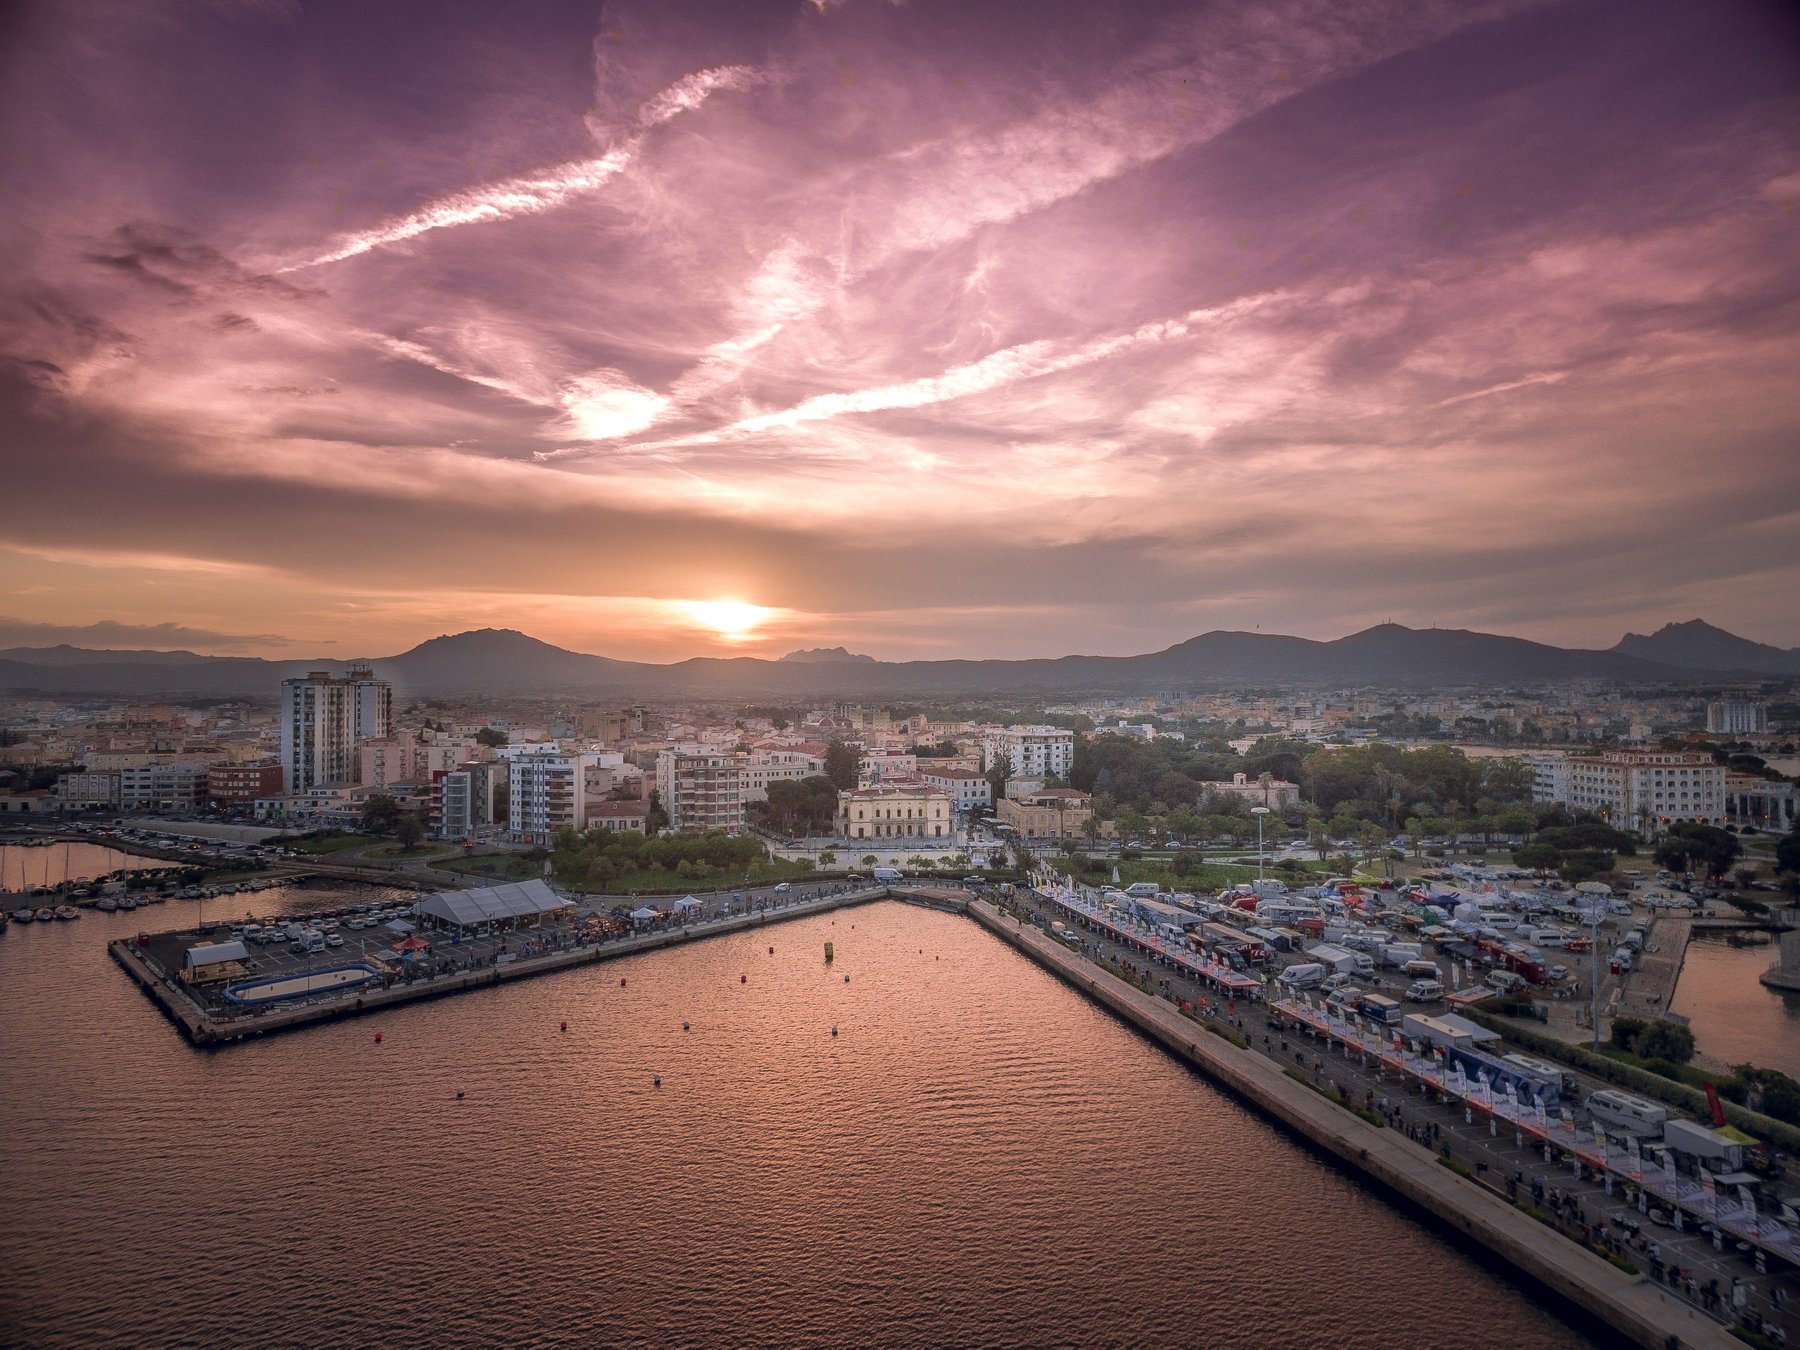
<point x="701" y="788"/>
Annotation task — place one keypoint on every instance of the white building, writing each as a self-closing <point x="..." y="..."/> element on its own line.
<point x="759" y="768"/>
<point x="465" y="801"/>
<point x="701" y="788"/>
<point x="1031" y="751"/>
<point x="966" y="789"/>
<point x="547" y="793"/>
<point x="895" y="811"/>
<point x="87" y="791"/>
<point x="324" y="718"/>
<point x="162" y="787"/>
<point x="1549" y="777"/>
<point x="1734" y="717"/>
<point x="1640" y="789"/>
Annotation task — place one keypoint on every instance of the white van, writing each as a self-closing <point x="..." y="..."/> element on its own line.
<point x="1504" y="981"/>
<point x="1307" y="975"/>
<point x="1144" y="890"/>
<point x="1424" y="991"/>
<point x="887" y="876"/>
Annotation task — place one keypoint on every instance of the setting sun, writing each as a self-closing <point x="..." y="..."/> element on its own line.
<point x="728" y="618"/>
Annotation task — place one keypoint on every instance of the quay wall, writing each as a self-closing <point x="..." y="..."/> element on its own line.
<point x="205" y="1029"/>
<point x="1633" y="1306"/>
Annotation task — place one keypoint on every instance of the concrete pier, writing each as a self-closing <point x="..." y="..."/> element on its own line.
<point x="1785" y="974"/>
<point x="207" y="1028"/>
<point x="1640" y="1311"/>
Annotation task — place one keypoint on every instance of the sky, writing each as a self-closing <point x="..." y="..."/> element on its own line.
<point x="939" y="328"/>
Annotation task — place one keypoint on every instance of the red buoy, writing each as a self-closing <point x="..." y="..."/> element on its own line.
<point x="378" y="1038"/>
<point x="621" y="982"/>
<point x="771" y="951"/>
<point x="743" y="979"/>
<point x="565" y="1026"/>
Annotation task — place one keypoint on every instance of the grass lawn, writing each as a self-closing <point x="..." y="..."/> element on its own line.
<point x="336" y="843"/>
<point x="496" y="866"/>
<point x="1206" y="876"/>
<point x="423" y="853"/>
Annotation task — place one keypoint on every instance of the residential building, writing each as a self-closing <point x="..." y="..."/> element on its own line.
<point x="1031" y="751"/>
<point x="701" y="788"/>
<point x="1049" y="813"/>
<point x="762" y="767"/>
<point x="87" y="791"/>
<point x="1549" y="777"/>
<point x="1639" y="789"/>
<point x="895" y="811"/>
<point x="617" y="816"/>
<point x="162" y="787"/>
<point x="465" y="801"/>
<point x="240" y="784"/>
<point x="1734" y="717"/>
<point x="324" y="718"/>
<point x="886" y="766"/>
<point x="967" y="790"/>
<point x="548" y="793"/>
<point x="405" y="759"/>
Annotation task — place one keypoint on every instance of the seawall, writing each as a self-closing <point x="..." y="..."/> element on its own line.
<point x="1638" y="1310"/>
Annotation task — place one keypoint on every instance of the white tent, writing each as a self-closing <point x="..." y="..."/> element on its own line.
<point x="686" y="905"/>
<point x="527" y="901"/>
<point x="213" y="953"/>
<point x="643" y="914"/>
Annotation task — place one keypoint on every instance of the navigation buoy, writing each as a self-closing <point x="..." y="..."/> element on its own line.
<point x="834" y="1028"/>
<point x="565" y="1026"/>
<point x="621" y="981"/>
<point x="829" y="953"/>
<point x="743" y="979"/>
<point x="378" y="1038"/>
<point x="684" y="1026"/>
<point x="656" y="1081"/>
<point x="459" y="1094"/>
<point x="846" y="979"/>
<point x="771" y="951"/>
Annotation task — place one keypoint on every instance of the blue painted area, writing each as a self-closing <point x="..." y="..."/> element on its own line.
<point x="246" y="991"/>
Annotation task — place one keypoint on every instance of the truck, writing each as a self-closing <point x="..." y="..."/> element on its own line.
<point x="1722" y="1151"/>
<point x="1382" y="1009"/>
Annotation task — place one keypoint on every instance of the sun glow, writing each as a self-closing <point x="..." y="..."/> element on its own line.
<point x="728" y="618"/>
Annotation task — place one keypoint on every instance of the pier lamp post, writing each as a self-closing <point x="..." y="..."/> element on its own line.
<point x="1259" y="812"/>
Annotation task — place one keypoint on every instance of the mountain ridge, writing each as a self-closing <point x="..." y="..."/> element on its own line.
<point x="506" y="662"/>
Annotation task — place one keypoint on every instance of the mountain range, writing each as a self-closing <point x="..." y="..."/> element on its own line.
<point x="502" y="662"/>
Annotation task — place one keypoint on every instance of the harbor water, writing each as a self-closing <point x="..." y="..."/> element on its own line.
<point x="977" y="1156"/>
<point x="1737" y="1019"/>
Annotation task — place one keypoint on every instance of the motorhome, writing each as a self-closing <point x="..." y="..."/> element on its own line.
<point x="1504" y="981"/>
<point x="1623" y="1112"/>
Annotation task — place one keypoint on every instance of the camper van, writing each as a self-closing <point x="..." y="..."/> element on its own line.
<point x="1504" y="981"/>
<point x="1627" y="1114"/>
<point x="1420" y="969"/>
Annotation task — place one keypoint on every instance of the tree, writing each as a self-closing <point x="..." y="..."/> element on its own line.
<point x="381" y="813"/>
<point x="491" y="737"/>
<point x="409" y="832"/>
<point x="841" y="764"/>
<point x="868" y="860"/>
<point x="1787" y="852"/>
<point x="1744" y="876"/>
<point x="656" y="819"/>
<point x="1689" y="844"/>
<point x="828" y="859"/>
<point x="1540" y="858"/>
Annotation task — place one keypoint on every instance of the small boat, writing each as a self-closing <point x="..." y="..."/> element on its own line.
<point x="24" y="914"/>
<point x="127" y="903"/>
<point x="106" y="904"/>
<point x="67" y="912"/>
<point x="46" y="915"/>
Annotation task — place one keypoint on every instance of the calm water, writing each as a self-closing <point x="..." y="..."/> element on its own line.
<point x="979" y="1157"/>
<point x="1736" y="1019"/>
<point x="51" y="863"/>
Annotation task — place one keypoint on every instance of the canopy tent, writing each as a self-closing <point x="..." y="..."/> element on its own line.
<point x="513" y="903"/>
<point x="213" y="953"/>
<point x="412" y="944"/>
<point x="643" y="914"/>
<point x="398" y="926"/>
<point x="686" y="905"/>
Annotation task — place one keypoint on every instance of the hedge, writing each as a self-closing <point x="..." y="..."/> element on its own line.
<point x="1640" y="1080"/>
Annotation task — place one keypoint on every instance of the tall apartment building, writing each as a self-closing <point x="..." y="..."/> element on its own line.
<point x="1549" y="777"/>
<point x="1639" y="789"/>
<point x="548" y="793"/>
<point x="761" y="767"/>
<point x="1031" y="751"/>
<point x="701" y="788"/>
<point x="324" y="718"/>
<point x="464" y="801"/>
<point x="1734" y="717"/>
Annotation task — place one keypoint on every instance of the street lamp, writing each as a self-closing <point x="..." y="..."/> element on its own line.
<point x="1259" y="812"/>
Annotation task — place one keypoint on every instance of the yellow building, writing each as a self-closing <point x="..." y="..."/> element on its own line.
<point x="1049" y="813"/>
<point x="894" y="811"/>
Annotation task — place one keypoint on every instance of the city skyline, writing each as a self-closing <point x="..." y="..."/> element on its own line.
<point x="927" y="330"/>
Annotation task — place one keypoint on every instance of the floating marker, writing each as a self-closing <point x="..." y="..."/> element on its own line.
<point x="771" y="951"/>
<point x="743" y="979"/>
<point x="459" y="1095"/>
<point x="621" y="981"/>
<point x="378" y="1038"/>
<point x="656" y="1081"/>
<point x="684" y="1026"/>
<point x="829" y="954"/>
<point x="834" y="1028"/>
<point x="565" y="1026"/>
